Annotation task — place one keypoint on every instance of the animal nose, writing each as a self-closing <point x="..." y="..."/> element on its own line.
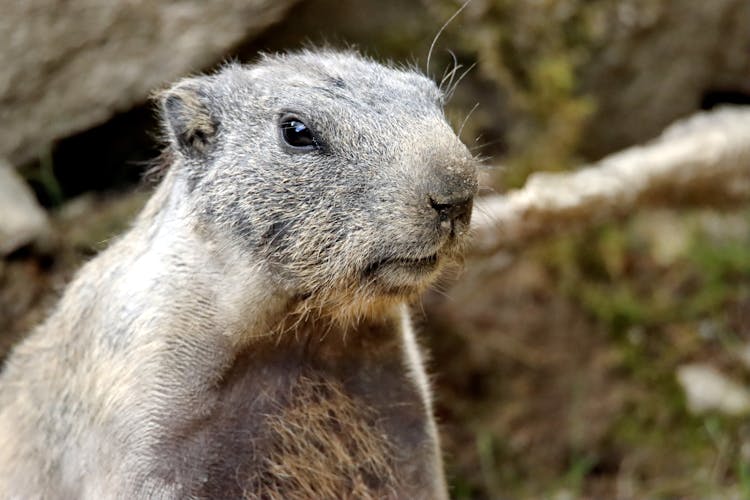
<point x="451" y="210"/>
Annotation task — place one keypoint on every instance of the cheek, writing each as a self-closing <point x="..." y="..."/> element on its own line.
<point x="398" y="213"/>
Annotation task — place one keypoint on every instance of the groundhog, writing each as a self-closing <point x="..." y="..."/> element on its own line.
<point x="249" y="336"/>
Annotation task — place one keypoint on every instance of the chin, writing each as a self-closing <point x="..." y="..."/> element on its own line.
<point x="401" y="279"/>
<point x="376" y="291"/>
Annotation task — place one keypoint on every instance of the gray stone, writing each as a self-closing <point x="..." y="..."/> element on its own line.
<point x="644" y="63"/>
<point x="658" y="60"/>
<point x="706" y="390"/>
<point x="22" y="220"/>
<point x="67" y="66"/>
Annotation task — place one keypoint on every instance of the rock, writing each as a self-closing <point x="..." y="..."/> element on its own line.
<point x="708" y="390"/>
<point x="643" y="63"/>
<point x="658" y="61"/>
<point x="666" y="234"/>
<point x="67" y="66"/>
<point x="23" y="220"/>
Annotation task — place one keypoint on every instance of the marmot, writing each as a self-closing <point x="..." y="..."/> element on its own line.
<point x="249" y="335"/>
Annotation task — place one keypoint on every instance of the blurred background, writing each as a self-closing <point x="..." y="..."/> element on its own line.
<point x="565" y="369"/>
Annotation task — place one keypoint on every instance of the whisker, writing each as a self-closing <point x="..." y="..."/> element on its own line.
<point x="461" y="128"/>
<point x="452" y="73"/>
<point x="485" y="144"/>
<point x="444" y="77"/>
<point x="440" y="32"/>
<point x="452" y="90"/>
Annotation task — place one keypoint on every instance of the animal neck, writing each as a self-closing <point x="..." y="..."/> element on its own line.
<point x="200" y="289"/>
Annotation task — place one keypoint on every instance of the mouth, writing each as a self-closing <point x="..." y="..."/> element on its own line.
<point x="399" y="274"/>
<point x="416" y="265"/>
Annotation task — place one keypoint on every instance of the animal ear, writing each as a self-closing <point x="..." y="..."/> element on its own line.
<point x="187" y="114"/>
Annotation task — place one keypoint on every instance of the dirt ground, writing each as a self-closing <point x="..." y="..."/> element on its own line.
<point x="553" y="382"/>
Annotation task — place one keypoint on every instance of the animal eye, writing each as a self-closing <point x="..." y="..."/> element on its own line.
<point x="296" y="134"/>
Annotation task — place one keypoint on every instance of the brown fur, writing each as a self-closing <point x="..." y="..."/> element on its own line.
<point x="326" y="444"/>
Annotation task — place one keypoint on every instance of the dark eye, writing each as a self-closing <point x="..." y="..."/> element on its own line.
<point x="296" y="134"/>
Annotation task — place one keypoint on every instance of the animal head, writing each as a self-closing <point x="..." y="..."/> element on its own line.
<point x="339" y="173"/>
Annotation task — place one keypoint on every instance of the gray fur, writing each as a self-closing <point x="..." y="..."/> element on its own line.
<point x="252" y="271"/>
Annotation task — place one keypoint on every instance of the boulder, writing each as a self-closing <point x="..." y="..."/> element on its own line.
<point x="658" y="62"/>
<point x="23" y="221"/>
<point x="67" y="66"/>
<point x="642" y="64"/>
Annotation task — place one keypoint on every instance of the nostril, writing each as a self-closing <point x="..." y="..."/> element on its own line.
<point x="440" y="208"/>
<point x="452" y="209"/>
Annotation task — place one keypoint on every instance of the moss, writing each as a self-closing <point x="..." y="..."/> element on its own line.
<point x="656" y="308"/>
<point x="657" y="314"/>
<point x="536" y="64"/>
<point x="41" y="177"/>
<point x="623" y="286"/>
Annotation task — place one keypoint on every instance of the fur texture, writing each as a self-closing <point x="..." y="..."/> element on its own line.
<point x="248" y="336"/>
